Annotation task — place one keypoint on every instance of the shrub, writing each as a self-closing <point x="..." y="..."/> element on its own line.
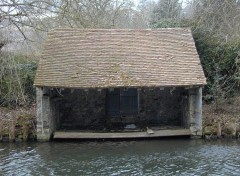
<point x="16" y="80"/>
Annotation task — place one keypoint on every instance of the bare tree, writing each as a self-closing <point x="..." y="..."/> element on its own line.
<point x="17" y="17"/>
<point x="26" y="13"/>
<point x="90" y="14"/>
<point x="145" y="13"/>
<point x="33" y="18"/>
<point x="166" y="9"/>
<point x="221" y="18"/>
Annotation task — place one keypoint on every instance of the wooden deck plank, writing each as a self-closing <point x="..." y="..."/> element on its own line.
<point x="122" y="135"/>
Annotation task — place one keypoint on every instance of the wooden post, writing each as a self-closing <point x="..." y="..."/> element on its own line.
<point x="11" y="130"/>
<point x="219" y="129"/>
<point x="1" y="130"/>
<point x="191" y="102"/>
<point x="25" y="129"/>
<point x="138" y="99"/>
<point x="185" y="114"/>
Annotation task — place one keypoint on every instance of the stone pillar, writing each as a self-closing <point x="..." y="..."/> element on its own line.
<point x="45" y="121"/>
<point x="198" y="111"/>
<point x="195" y="111"/>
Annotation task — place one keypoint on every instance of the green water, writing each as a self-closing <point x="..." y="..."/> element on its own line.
<point x="154" y="157"/>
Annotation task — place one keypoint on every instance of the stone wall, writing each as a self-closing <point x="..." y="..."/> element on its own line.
<point x="163" y="107"/>
<point x="80" y="109"/>
<point x="85" y="110"/>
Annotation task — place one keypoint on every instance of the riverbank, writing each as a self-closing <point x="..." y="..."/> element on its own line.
<point x="17" y="124"/>
<point x="223" y="121"/>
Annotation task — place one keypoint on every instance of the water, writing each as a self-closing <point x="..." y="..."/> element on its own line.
<point x="154" y="157"/>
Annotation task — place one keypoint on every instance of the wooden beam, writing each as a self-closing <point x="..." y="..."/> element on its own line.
<point x="120" y="135"/>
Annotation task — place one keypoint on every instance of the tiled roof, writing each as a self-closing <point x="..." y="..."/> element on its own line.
<point x="99" y="58"/>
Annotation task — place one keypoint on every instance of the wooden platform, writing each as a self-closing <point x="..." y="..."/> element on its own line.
<point x="120" y="135"/>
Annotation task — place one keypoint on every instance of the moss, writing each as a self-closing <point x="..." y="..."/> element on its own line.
<point x="116" y="68"/>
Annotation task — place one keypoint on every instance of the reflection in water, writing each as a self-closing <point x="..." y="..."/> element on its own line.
<point x="154" y="157"/>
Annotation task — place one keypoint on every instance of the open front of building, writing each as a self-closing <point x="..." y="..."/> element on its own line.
<point x="119" y="110"/>
<point x="109" y="83"/>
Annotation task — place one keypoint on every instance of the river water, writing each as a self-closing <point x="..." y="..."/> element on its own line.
<point x="146" y="157"/>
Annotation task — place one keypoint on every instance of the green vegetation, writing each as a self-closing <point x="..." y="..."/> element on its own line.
<point x="167" y="23"/>
<point x="221" y="63"/>
<point x="16" y="80"/>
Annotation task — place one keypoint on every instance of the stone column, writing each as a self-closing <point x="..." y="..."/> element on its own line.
<point x="45" y="121"/>
<point x="198" y="111"/>
<point x="195" y="111"/>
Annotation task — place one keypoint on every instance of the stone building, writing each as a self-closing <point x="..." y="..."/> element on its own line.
<point x="110" y="83"/>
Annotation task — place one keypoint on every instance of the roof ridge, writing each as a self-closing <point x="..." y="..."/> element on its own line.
<point x="119" y="29"/>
